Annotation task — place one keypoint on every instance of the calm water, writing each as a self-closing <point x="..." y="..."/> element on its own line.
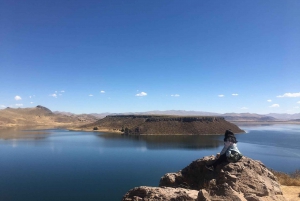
<point x="63" y="165"/>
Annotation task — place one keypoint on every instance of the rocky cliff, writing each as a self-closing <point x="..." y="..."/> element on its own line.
<point x="246" y="180"/>
<point x="151" y="124"/>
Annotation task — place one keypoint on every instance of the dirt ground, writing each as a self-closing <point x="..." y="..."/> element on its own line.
<point x="291" y="193"/>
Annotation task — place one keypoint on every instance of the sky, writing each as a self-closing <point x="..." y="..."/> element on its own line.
<point x="143" y="55"/>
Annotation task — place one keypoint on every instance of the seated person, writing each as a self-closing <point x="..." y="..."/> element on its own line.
<point x="229" y="153"/>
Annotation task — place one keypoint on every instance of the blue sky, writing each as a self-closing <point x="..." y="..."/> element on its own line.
<point x="138" y="55"/>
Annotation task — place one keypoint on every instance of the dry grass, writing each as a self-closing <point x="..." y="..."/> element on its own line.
<point x="291" y="179"/>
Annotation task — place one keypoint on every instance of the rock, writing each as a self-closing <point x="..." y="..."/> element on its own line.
<point x="144" y="193"/>
<point x="246" y="180"/>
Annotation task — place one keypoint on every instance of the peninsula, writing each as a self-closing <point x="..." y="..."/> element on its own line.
<point x="162" y="125"/>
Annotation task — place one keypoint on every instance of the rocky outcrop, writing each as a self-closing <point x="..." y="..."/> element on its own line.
<point x="164" y="125"/>
<point x="144" y="193"/>
<point x="246" y="180"/>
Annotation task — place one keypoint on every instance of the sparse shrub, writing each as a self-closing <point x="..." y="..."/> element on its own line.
<point x="292" y="179"/>
<point x="95" y="128"/>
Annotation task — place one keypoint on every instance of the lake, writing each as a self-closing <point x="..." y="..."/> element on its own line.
<point x="66" y="165"/>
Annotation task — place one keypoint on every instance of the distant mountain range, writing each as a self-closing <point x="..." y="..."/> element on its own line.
<point x="43" y="116"/>
<point x="227" y="116"/>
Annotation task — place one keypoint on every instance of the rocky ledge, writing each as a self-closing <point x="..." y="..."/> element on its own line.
<point x="246" y="180"/>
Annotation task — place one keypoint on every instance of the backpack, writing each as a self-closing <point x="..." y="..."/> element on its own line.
<point x="234" y="157"/>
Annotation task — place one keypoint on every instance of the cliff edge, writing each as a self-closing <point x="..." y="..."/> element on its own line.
<point x="246" y="180"/>
<point x="160" y="125"/>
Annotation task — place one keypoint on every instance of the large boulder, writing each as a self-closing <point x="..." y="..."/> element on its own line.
<point x="248" y="180"/>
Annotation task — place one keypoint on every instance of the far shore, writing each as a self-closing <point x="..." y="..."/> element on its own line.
<point x="99" y="130"/>
<point x="264" y="122"/>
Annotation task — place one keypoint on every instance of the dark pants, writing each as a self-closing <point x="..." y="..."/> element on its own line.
<point x="220" y="160"/>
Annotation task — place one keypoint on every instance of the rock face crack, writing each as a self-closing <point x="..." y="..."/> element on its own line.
<point x="246" y="180"/>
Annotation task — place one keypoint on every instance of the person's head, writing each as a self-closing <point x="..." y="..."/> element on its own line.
<point x="229" y="136"/>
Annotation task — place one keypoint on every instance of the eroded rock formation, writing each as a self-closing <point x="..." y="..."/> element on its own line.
<point x="246" y="180"/>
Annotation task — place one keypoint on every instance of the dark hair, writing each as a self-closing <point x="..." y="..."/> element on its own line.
<point x="229" y="136"/>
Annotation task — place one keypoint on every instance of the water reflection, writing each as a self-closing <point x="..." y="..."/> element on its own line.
<point x="23" y="133"/>
<point x="170" y="141"/>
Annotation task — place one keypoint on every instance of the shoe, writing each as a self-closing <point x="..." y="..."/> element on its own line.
<point x="210" y="168"/>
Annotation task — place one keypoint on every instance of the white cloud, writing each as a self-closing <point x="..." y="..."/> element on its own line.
<point x="269" y="100"/>
<point x="275" y="105"/>
<point x="2" y="105"/>
<point x="19" y="105"/>
<point x="62" y="91"/>
<point x="31" y="102"/>
<point x="289" y="95"/>
<point x="175" y="95"/>
<point x="141" y="94"/>
<point x="244" y="108"/>
<point x="298" y="102"/>
<point x="221" y="95"/>
<point x="53" y="95"/>
<point x="103" y="92"/>
<point x="297" y="107"/>
<point x="235" y="94"/>
<point x="91" y="95"/>
<point x="18" y="98"/>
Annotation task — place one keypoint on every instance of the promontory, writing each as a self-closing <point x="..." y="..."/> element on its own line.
<point x="162" y="125"/>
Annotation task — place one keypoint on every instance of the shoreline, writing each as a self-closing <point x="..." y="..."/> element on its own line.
<point x="265" y="122"/>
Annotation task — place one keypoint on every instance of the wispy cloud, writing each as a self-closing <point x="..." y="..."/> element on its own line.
<point x="298" y="102"/>
<point x="175" y="95"/>
<point x="31" y="102"/>
<point x="244" y="108"/>
<point x="275" y="105"/>
<point x="2" y="105"/>
<point x="269" y="100"/>
<point x="221" y="95"/>
<point x="91" y="95"/>
<point x="19" y="105"/>
<point x="53" y="95"/>
<point x="18" y="98"/>
<point x="141" y="94"/>
<point x="297" y="107"/>
<point x="235" y="94"/>
<point x="62" y="91"/>
<point x="289" y="95"/>
<point x="103" y="92"/>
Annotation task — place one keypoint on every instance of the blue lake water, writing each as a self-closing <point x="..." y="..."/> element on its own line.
<point x="67" y="165"/>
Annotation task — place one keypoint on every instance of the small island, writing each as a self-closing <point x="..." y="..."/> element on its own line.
<point x="162" y="125"/>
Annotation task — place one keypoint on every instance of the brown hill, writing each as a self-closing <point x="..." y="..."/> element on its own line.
<point x="151" y="124"/>
<point x="39" y="116"/>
